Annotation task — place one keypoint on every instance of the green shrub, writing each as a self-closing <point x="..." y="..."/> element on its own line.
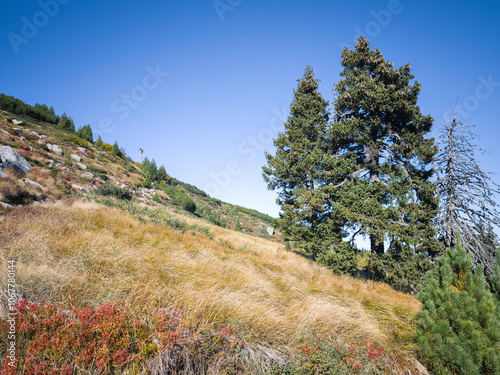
<point x="216" y="219"/>
<point x="458" y="327"/>
<point x="114" y="191"/>
<point x="188" y="204"/>
<point x="78" y="141"/>
<point x="341" y="259"/>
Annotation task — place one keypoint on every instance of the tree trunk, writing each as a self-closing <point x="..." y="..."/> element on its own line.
<point x="376" y="244"/>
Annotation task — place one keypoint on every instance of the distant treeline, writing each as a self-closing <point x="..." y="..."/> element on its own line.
<point x="39" y="112"/>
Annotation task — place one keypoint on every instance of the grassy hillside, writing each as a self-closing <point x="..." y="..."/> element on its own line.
<point x="139" y="286"/>
<point x="69" y="176"/>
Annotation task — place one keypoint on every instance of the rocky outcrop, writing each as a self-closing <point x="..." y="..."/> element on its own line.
<point x="270" y="231"/>
<point x="10" y="159"/>
<point x="17" y="122"/>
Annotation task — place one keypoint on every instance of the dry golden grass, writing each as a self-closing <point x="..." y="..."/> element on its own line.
<point x="81" y="252"/>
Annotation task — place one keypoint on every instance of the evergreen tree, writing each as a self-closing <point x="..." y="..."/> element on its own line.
<point x="388" y="195"/>
<point x="85" y="132"/>
<point x="116" y="150"/>
<point x="162" y="175"/>
<point x="150" y="170"/>
<point x="467" y="195"/>
<point x="99" y="143"/>
<point x="302" y="172"/>
<point x="458" y="327"/>
<point x="66" y="123"/>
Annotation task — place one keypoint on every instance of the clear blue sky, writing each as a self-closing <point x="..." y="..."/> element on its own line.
<point x="201" y="85"/>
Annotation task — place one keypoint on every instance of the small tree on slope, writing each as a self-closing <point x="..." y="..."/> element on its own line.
<point x="458" y="327"/>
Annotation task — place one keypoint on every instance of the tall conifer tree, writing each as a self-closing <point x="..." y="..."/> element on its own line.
<point x="303" y="171"/>
<point x="388" y="195"/>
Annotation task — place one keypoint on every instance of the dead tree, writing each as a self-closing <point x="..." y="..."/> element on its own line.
<point x="466" y="194"/>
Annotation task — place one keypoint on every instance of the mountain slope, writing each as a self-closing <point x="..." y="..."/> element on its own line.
<point x="247" y="304"/>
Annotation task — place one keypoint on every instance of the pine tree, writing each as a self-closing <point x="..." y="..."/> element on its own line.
<point x="467" y="195"/>
<point x="66" y="123"/>
<point x="99" y="143"/>
<point x="458" y="327"/>
<point x="85" y="132"/>
<point x="302" y="169"/>
<point x="116" y="151"/>
<point x="388" y="195"/>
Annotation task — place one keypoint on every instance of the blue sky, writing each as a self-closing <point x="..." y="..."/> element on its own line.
<point x="203" y="86"/>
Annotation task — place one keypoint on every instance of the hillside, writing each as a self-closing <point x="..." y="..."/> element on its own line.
<point x="65" y="165"/>
<point x="153" y="288"/>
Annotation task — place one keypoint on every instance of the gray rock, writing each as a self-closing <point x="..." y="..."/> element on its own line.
<point x="10" y="159"/>
<point x="55" y="148"/>
<point x="17" y="122"/>
<point x="270" y="231"/>
<point x="44" y="136"/>
<point x="81" y="166"/>
<point x="78" y="187"/>
<point x="76" y="157"/>
<point x="52" y="163"/>
<point x="82" y="149"/>
<point x="17" y="129"/>
<point x="6" y="205"/>
<point x="5" y="131"/>
<point x="22" y="138"/>
<point x="31" y="182"/>
<point x="3" y="174"/>
<point x="35" y="133"/>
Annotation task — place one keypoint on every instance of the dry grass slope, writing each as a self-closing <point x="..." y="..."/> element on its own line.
<point x="84" y="253"/>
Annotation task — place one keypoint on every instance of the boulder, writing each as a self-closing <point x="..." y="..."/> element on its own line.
<point x="52" y="163"/>
<point x="17" y="122"/>
<point x="82" y="149"/>
<point x="55" y="148"/>
<point x="31" y="182"/>
<point x="81" y="166"/>
<point x="76" y="157"/>
<point x="78" y="187"/>
<point x="6" y="205"/>
<point x="3" y="174"/>
<point x="270" y="231"/>
<point x="10" y="159"/>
